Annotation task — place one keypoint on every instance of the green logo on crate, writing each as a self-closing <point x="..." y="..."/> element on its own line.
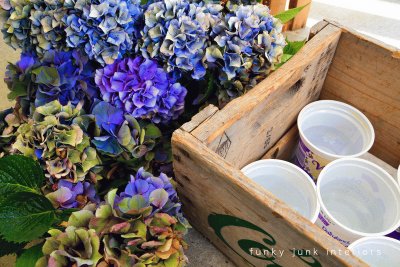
<point x="219" y="221"/>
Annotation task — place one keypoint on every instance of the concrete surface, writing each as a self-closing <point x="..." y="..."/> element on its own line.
<point x="377" y="18"/>
<point x="203" y="254"/>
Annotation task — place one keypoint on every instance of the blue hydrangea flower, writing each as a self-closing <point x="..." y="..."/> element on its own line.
<point x="119" y="132"/>
<point x="63" y="76"/>
<point x="104" y="29"/>
<point x="141" y="87"/>
<point x="35" y="26"/>
<point x="247" y="43"/>
<point x="16" y="28"/>
<point x="20" y="73"/>
<point x="176" y="31"/>
<point x="47" y="29"/>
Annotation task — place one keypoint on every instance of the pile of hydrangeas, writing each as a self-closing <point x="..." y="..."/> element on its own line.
<point x="238" y="43"/>
<point x="99" y="88"/>
<point x="141" y="226"/>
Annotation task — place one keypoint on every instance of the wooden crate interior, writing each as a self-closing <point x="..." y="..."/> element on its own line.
<point x="248" y="126"/>
<point x="210" y="150"/>
<point x="362" y="73"/>
<point x="372" y="86"/>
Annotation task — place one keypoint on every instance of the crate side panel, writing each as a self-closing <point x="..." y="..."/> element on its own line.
<point x="235" y="214"/>
<point x="284" y="148"/>
<point x="367" y="76"/>
<point x="249" y="125"/>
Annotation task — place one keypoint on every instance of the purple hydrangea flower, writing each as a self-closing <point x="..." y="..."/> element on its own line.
<point x="70" y="195"/>
<point x="157" y="192"/>
<point x="141" y="88"/>
<point x="5" y="4"/>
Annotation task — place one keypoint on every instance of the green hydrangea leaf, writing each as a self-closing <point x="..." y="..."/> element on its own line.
<point x="10" y="247"/>
<point x="284" y="59"/>
<point x="293" y="47"/>
<point x="289" y="14"/>
<point x="290" y="50"/>
<point x="25" y="216"/>
<point x="20" y="174"/>
<point x="29" y="257"/>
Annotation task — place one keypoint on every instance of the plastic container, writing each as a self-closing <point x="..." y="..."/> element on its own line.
<point x="331" y="130"/>
<point x="377" y="251"/>
<point x="287" y="182"/>
<point x="358" y="199"/>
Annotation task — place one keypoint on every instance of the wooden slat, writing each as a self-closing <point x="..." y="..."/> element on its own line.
<point x="317" y="28"/>
<point x="367" y="75"/>
<point x="248" y="126"/>
<point x="284" y="148"/>
<point x="199" y="118"/>
<point x="208" y="185"/>
<point x="276" y="6"/>
<point x="301" y="19"/>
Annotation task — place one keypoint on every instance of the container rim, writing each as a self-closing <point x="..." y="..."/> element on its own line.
<point x="286" y="164"/>
<point x="341" y="105"/>
<point x="369" y="238"/>
<point x="393" y="186"/>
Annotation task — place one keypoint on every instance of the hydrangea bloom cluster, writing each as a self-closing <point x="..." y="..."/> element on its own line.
<point x="141" y="87"/>
<point x="176" y="32"/>
<point x="96" y="83"/>
<point x="47" y="29"/>
<point x="121" y="133"/>
<point x="144" y="218"/>
<point x="247" y="43"/>
<point x="156" y="194"/>
<point x="104" y="29"/>
<point x="16" y="28"/>
<point x="63" y="149"/>
<point x="63" y="76"/>
<point x="35" y="26"/>
<point x="77" y="246"/>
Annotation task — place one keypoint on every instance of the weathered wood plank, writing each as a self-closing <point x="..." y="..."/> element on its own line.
<point x="366" y="75"/>
<point x="317" y="28"/>
<point x="200" y="117"/>
<point x="283" y="149"/>
<point x="248" y="126"/>
<point x="249" y="216"/>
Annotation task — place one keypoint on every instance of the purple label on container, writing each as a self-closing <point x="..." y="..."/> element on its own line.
<point x="311" y="163"/>
<point x="395" y="234"/>
<point x="322" y="218"/>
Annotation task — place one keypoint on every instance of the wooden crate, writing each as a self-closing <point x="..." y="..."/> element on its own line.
<point x="278" y="6"/>
<point x="232" y="211"/>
